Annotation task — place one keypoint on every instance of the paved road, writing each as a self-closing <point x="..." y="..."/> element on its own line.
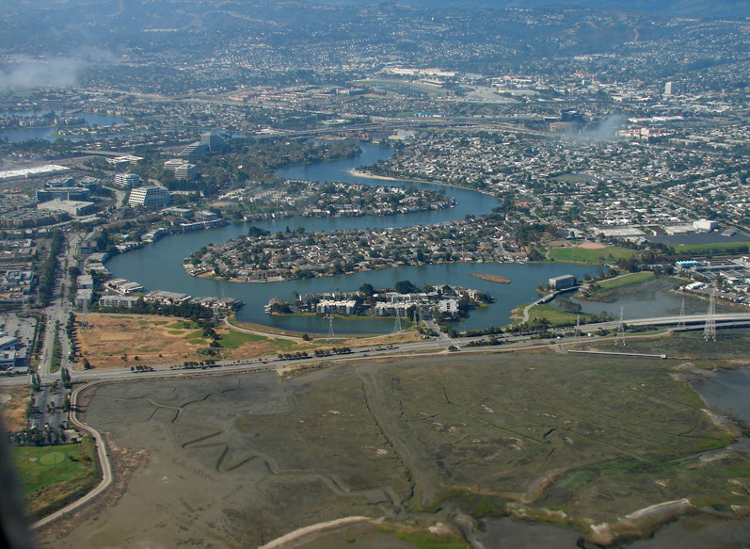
<point x="401" y="350"/>
<point x="404" y="350"/>
<point x="105" y="464"/>
<point x="51" y="397"/>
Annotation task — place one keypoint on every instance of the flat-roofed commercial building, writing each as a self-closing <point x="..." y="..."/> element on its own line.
<point x="149" y="197"/>
<point x="127" y="180"/>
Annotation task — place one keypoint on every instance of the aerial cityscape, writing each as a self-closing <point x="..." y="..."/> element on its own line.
<point x="348" y="273"/>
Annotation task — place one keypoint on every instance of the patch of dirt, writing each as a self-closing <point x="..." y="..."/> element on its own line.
<point x="121" y="341"/>
<point x="13" y="409"/>
<point x="592" y="246"/>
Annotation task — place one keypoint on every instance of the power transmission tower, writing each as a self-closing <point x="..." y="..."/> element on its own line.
<point x="620" y="331"/>
<point x="577" y="332"/>
<point x="709" y="332"/>
<point x="330" y="326"/>
<point x="397" y="326"/>
<point x="681" y="323"/>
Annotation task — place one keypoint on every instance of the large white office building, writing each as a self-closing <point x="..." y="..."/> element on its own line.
<point x="149" y="197"/>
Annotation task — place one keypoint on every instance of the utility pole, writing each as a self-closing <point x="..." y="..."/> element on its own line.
<point x="620" y="331"/>
<point x="709" y="332"/>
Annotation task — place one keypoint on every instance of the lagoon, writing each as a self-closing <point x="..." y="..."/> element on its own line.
<point x="48" y="132"/>
<point x="159" y="265"/>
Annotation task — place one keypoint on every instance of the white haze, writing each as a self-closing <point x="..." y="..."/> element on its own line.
<point x="604" y="130"/>
<point x="49" y="72"/>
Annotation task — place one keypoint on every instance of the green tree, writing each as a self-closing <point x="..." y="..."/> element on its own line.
<point x="406" y="287"/>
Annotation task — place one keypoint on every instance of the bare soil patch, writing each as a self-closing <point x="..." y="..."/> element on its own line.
<point x="592" y="246"/>
<point x="13" y="411"/>
<point x="118" y="341"/>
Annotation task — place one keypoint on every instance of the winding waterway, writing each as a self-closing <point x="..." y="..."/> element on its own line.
<point x="18" y="135"/>
<point x="159" y="265"/>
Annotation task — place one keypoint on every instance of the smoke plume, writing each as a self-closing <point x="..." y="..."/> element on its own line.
<point x="603" y="130"/>
<point x="49" y="72"/>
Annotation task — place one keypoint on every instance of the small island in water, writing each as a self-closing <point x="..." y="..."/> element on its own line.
<point x="491" y="278"/>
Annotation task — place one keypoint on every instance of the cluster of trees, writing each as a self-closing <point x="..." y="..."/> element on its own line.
<point x="192" y="365"/>
<point x="293" y="356"/>
<point x="333" y="351"/>
<point x="490" y="341"/>
<point x="40" y="437"/>
<point x="36" y="382"/>
<point x="56" y="361"/>
<point x="186" y="309"/>
<point x="65" y="378"/>
<point x="70" y="331"/>
<point x="48" y="270"/>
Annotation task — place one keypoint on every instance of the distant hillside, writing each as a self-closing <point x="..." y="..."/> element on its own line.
<point x="704" y="9"/>
<point x="708" y="9"/>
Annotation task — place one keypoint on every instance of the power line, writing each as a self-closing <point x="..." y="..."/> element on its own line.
<point x="620" y="331"/>
<point x="330" y="326"/>
<point x="709" y="332"/>
<point x="681" y="323"/>
<point x="397" y="326"/>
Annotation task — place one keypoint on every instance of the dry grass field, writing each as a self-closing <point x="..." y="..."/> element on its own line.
<point x="13" y="410"/>
<point x="116" y="341"/>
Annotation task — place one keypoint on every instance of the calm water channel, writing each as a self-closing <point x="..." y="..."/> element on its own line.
<point x="48" y="133"/>
<point x="159" y="266"/>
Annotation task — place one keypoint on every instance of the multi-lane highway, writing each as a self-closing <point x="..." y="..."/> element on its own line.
<point x="48" y="413"/>
<point x="417" y="348"/>
<point x="84" y="379"/>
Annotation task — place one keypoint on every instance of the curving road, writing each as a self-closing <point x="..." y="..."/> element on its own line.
<point x="419" y="348"/>
<point x="105" y="463"/>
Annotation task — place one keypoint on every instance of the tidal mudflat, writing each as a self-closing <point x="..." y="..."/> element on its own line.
<point x="237" y="461"/>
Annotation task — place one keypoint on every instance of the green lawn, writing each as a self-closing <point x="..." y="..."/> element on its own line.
<point x="555" y="315"/>
<point x="575" y="254"/>
<point x="627" y="280"/>
<point x="183" y="325"/>
<point x="42" y="466"/>
<point x="717" y="248"/>
<point x="234" y="340"/>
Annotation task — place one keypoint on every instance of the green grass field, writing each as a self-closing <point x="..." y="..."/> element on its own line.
<point x="183" y="325"/>
<point x="576" y="254"/>
<point x="43" y="466"/>
<point x="234" y="340"/>
<point x="627" y="280"/>
<point x="555" y="315"/>
<point x="717" y="248"/>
